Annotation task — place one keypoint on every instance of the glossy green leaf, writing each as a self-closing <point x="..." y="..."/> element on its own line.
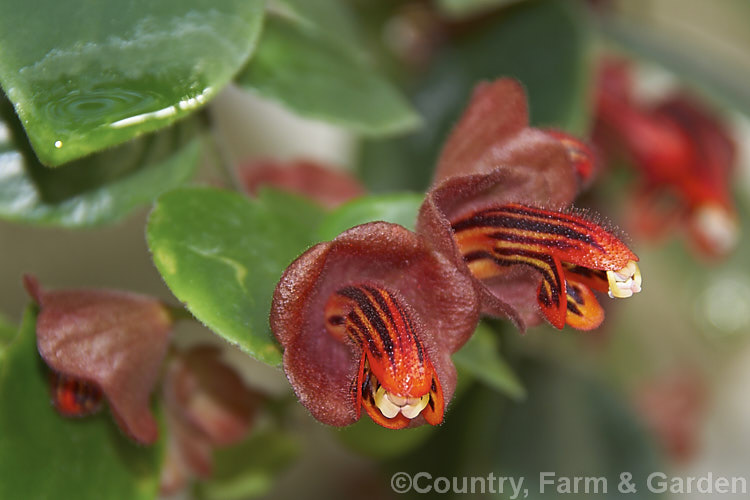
<point x="222" y="254"/>
<point x="462" y="8"/>
<point x="325" y="18"/>
<point x="100" y="188"/>
<point x="399" y="208"/>
<point x="542" y="44"/>
<point x="481" y="358"/>
<point x="43" y="455"/>
<point x="87" y="75"/>
<point x="317" y="79"/>
<point x="249" y="469"/>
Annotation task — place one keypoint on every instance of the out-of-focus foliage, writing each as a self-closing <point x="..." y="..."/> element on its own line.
<point x="543" y="44"/>
<point x="399" y="208"/>
<point x="481" y="358"/>
<point x="249" y="469"/>
<point x="319" y="79"/>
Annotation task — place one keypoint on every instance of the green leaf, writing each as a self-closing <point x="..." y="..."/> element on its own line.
<point x="97" y="189"/>
<point x="399" y="208"/>
<point x="249" y="469"/>
<point x="7" y="334"/>
<point x="542" y="44"/>
<point x="43" y="455"/>
<point x="86" y="75"/>
<point x="464" y="8"/>
<point x="320" y="80"/>
<point x="222" y="254"/>
<point x="324" y="18"/>
<point x="481" y="358"/>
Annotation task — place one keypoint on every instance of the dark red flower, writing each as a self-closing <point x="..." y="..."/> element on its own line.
<point x="680" y="150"/>
<point x="207" y="406"/>
<point x="110" y="339"/>
<point x="328" y="186"/>
<point x="370" y="320"/>
<point x="497" y="210"/>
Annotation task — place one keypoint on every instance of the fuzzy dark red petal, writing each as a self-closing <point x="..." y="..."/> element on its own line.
<point x="440" y="300"/>
<point x="496" y="112"/>
<point x="543" y="177"/>
<point x="114" y="339"/>
<point x="492" y="157"/>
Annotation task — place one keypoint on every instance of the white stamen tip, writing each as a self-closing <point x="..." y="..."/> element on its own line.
<point x="716" y="227"/>
<point x="624" y="282"/>
<point x="384" y="403"/>
<point x="391" y="405"/>
<point x="413" y="409"/>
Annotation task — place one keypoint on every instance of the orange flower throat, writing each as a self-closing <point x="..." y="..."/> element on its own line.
<point x="573" y="256"/>
<point x="396" y="381"/>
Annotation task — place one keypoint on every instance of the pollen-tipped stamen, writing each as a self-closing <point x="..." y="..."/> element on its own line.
<point x="624" y="282"/>
<point x="391" y="405"/>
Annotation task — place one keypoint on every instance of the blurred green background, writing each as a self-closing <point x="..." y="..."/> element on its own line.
<point x="686" y="338"/>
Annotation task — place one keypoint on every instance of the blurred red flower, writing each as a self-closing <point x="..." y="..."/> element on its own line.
<point x="327" y="185"/>
<point x="683" y="153"/>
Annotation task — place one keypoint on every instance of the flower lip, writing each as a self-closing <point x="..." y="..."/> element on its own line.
<point x="396" y="375"/>
<point x="439" y="299"/>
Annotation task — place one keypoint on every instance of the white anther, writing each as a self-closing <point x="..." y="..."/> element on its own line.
<point x="624" y="282"/>
<point x="384" y="403"/>
<point x="397" y="400"/>
<point x="415" y="406"/>
<point x="391" y="405"/>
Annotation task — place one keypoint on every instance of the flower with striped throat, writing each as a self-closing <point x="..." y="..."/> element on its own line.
<point x="483" y="212"/>
<point x="572" y="254"/>
<point x="370" y="320"/>
<point x="396" y="381"/>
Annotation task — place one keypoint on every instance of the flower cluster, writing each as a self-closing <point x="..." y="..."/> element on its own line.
<point x="370" y="319"/>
